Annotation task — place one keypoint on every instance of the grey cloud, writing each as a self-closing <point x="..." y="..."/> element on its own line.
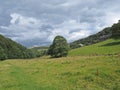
<point x="46" y="28"/>
<point x="39" y="21"/>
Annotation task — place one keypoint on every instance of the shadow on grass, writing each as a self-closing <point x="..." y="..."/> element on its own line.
<point x="111" y="44"/>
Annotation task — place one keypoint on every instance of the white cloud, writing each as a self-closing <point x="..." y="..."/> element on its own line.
<point x="26" y="27"/>
<point x="112" y="17"/>
<point x="24" y="21"/>
<point x="80" y="34"/>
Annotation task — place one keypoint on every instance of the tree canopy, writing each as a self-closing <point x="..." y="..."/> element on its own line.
<point x="59" y="47"/>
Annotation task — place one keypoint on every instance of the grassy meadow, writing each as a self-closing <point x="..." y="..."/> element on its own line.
<point x="87" y="68"/>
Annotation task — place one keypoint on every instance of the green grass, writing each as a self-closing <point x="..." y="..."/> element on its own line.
<point x="110" y="46"/>
<point x="81" y="70"/>
<point x="70" y="73"/>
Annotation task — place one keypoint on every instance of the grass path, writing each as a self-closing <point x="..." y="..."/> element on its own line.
<point x="19" y="80"/>
<point x="24" y="81"/>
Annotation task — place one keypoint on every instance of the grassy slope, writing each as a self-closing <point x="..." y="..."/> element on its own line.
<point x="70" y="73"/>
<point x="110" y="46"/>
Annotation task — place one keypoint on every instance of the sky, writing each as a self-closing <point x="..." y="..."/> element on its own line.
<point x="37" y="22"/>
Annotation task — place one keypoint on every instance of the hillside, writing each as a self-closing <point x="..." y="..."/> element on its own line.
<point x="9" y="49"/>
<point x="92" y="39"/>
<point x="110" y="46"/>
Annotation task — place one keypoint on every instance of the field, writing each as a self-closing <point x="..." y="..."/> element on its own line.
<point x="81" y="70"/>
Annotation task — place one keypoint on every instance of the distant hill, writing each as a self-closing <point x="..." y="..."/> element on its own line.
<point x="92" y="39"/>
<point x="39" y="48"/>
<point x="9" y="49"/>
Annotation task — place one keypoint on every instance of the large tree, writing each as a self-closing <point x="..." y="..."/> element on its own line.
<point x="59" y="47"/>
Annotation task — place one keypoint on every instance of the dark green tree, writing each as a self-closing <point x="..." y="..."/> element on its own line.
<point x="3" y="55"/>
<point x="116" y="30"/>
<point x="59" y="47"/>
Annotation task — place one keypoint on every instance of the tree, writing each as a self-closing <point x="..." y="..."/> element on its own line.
<point x="59" y="47"/>
<point x="3" y="56"/>
<point x="116" y="30"/>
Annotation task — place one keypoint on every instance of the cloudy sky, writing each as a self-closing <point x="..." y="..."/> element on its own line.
<point x="37" y="22"/>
